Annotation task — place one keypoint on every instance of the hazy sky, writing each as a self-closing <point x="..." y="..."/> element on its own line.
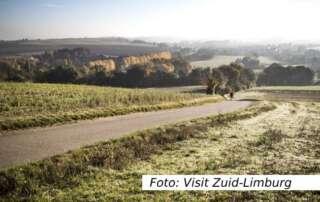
<point x="250" y="20"/>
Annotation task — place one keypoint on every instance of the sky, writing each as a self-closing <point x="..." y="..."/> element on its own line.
<point x="244" y="20"/>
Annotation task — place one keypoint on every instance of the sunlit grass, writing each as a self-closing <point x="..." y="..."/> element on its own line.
<point x="286" y="88"/>
<point x="249" y="146"/>
<point x="27" y="104"/>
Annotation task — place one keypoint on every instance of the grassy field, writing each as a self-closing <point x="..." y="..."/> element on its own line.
<point x="27" y="105"/>
<point x="266" y="60"/>
<point x="216" y="61"/>
<point x="226" y="59"/>
<point x="104" y="46"/>
<point x="283" y="93"/>
<point x="184" y="89"/>
<point x="258" y="140"/>
<point x="288" y="88"/>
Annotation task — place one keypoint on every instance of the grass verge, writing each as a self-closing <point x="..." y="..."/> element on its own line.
<point x="67" y="170"/>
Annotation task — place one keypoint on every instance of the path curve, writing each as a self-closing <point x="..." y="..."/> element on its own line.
<point x="22" y="146"/>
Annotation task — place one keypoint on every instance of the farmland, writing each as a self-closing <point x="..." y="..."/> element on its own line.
<point x="283" y="93"/>
<point x="288" y="88"/>
<point x="258" y="140"/>
<point x="216" y="61"/>
<point x="27" y="105"/>
<point x="219" y="60"/>
<point x="105" y="46"/>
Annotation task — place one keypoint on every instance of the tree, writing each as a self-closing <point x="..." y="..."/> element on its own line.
<point x="161" y="78"/>
<point x="199" y="76"/>
<point x="181" y="67"/>
<point x="216" y="79"/>
<point x="247" y="78"/>
<point x="232" y="73"/>
<point x="99" y="78"/>
<point x="9" y="72"/>
<point x="60" y="74"/>
<point x="249" y="62"/>
<point x="135" y="76"/>
<point x="276" y="74"/>
<point x="228" y="78"/>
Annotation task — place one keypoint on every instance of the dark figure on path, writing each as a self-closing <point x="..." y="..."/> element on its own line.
<point x="231" y="95"/>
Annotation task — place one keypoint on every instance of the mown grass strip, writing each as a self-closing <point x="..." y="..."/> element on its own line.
<point x="66" y="170"/>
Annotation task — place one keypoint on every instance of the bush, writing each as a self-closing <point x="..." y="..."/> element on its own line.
<point x="270" y="138"/>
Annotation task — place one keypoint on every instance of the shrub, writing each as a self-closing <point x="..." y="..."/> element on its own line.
<point x="270" y="138"/>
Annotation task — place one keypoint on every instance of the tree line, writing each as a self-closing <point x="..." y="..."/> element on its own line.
<point x="277" y="74"/>
<point x="232" y="77"/>
<point x="137" y="76"/>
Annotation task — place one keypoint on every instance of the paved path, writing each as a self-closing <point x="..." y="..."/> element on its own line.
<point x="19" y="147"/>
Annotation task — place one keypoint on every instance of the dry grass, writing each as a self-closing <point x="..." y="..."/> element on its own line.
<point x="226" y="148"/>
<point x="283" y="93"/>
<point x="25" y="105"/>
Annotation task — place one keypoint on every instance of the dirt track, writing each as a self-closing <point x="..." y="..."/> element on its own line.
<point x="19" y="147"/>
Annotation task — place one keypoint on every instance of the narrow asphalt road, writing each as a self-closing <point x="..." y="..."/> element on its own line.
<point x="22" y="146"/>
